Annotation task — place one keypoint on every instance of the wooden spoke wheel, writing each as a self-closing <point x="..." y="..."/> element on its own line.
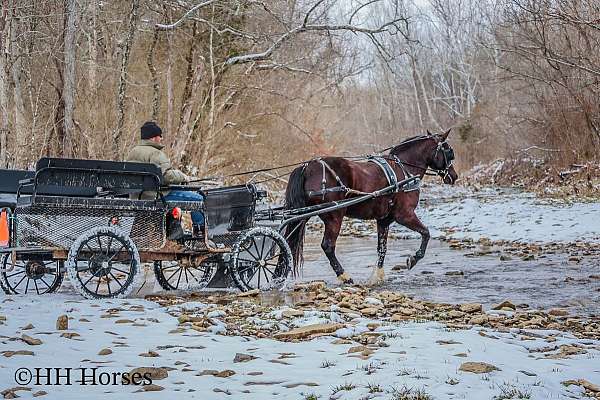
<point x="34" y="276"/>
<point x="260" y="259"/>
<point x="103" y="263"/>
<point x="183" y="275"/>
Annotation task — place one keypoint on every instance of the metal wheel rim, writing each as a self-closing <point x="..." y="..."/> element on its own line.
<point x="177" y="273"/>
<point x="102" y="273"/>
<point x="21" y="273"/>
<point x="259" y="262"/>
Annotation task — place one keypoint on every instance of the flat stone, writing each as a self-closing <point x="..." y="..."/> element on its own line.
<point x="249" y="293"/>
<point x="31" y="341"/>
<point x="292" y="313"/>
<point x="504" y="305"/>
<point x="357" y="349"/>
<point x="9" y="353"/>
<point x="69" y="335"/>
<point x="27" y="327"/>
<point x="306" y="331"/>
<point x="471" y="308"/>
<point x="124" y="321"/>
<point x="152" y="388"/>
<point x="155" y="373"/>
<point x="241" y="357"/>
<point x="478" y="367"/>
<point x="149" y="354"/>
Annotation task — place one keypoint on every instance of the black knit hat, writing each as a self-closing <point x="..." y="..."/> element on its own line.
<point x="150" y="130"/>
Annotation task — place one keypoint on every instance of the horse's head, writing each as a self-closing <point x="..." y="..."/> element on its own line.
<point x="442" y="157"/>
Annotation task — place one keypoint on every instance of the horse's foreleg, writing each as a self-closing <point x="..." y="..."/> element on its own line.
<point x="412" y="222"/>
<point x="333" y="224"/>
<point x="383" y="227"/>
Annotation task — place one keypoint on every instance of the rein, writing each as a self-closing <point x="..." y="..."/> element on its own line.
<point x="442" y="172"/>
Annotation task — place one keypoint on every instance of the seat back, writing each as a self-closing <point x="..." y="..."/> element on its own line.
<point x="87" y="178"/>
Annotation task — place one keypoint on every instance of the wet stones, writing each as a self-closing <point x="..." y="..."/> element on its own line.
<point x="306" y="331"/>
<point x="471" y="308"/>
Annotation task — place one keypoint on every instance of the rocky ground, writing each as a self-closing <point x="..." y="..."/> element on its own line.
<point x="319" y="340"/>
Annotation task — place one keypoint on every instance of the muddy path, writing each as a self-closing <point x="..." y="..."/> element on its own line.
<point x="474" y="275"/>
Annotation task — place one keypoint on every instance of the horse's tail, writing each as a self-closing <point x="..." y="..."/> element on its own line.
<point x="294" y="232"/>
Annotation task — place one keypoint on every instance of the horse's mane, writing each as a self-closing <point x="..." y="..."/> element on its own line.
<point x="411" y="139"/>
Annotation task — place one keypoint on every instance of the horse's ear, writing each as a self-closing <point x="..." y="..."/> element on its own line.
<point x="445" y="134"/>
<point x="429" y="133"/>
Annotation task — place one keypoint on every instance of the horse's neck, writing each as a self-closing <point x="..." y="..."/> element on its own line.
<point x="414" y="158"/>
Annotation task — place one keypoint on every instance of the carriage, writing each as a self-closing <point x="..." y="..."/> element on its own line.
<point x="86" y="219"/>
<point x="90" y="220"/>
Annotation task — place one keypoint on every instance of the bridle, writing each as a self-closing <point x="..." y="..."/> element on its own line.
<point x="448" y="154"/>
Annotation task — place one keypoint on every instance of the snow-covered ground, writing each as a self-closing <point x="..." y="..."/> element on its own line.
<point x="499" y="214"/>
<point x="419" y="356"/>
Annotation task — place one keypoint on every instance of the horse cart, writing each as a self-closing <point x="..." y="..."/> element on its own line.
<point x="85" y="218"/>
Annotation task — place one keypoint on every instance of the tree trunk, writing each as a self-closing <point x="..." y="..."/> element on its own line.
<point x="3" y="86"/>
<point x="68" y="93"/>
<point x="116" y="142"/>
<point x="93" y="46"/>
<point x="154" y="77"/>
<point x="21" y="154"/>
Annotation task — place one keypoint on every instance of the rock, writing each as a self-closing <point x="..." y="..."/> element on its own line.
<point x="447" y="342"/>
<point x="505" y="257"/>
<point x="104" y="352"/>
<point x="31" y="341"/>
<point x="40" y="393"/>
<point x="357" y="349"/>
<point x="478" y="367"/>
<point x="583" y="383"/>
<point x="152" y="388"/>
<point x="225" y="373"/>
<point x="505" y="305"/>
<point x="292" y="313"/>
<point x="558" y="312"/>
<point x="454" y="273"/>
<point x="219" y="374"/>
<point x="150" y="353"/>
<point x="11" y="392"/>
<point x="249" y="293"/>
<point x="399" y="267"/>
<point x="317" y="286"/>
<point x="241" y="357"/>
<point x="397" y="317"/>
<point x="69" y="335"/>
<point x="305" y="331"/>
<point x="409" y="312"/>
<point x="62" y="323"/>
<point x="479" y="319"/>
<point x="124" y="321"/>
<point x="455" y="314"/>
<point x="369" y="311"/>
<point x="155" y="373"/>
<point x="27" y="327"/>
<point x="471" y="308"/>
<point x="9" y="353"/>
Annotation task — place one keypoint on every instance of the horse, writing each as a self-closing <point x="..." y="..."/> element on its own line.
<point x="329" y="179"/>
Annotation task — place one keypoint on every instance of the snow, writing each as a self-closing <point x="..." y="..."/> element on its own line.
<point x="413" y="359"/>
<point x="507" y="215"/>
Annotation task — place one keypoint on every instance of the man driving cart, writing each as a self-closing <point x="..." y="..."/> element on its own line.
<point x="150" y="150"/>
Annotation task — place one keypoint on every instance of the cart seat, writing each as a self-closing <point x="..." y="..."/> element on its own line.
<point x="89" y="178"/>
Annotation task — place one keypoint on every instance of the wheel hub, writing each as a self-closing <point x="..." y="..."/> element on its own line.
<point x="35" y="269"/>
<point x="100" y="265"/>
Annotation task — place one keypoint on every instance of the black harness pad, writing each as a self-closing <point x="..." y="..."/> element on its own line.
<point x="388" y="171"/>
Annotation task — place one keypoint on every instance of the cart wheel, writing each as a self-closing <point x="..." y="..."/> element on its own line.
<point x="103" y="263"/>
<point x="30" y="276"/>
<point x="174" y="275"/>
<point x="260" y="259"/>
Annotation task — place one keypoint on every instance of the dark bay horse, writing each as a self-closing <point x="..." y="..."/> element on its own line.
<point x="414" y="156"/>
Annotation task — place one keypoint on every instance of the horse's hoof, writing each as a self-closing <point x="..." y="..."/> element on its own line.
<point x="411" y="261"/>
<point x="345" y="279"/>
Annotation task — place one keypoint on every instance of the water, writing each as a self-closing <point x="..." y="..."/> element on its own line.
<point x="546" y="282"/>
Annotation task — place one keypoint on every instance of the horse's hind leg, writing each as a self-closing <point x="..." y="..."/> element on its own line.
<point x="333" y="225"/>
<point x="411" y="221"/>
<point x="383" y="227"/>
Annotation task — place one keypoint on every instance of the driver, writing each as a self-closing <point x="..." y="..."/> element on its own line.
<point x="150" y="150"/>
